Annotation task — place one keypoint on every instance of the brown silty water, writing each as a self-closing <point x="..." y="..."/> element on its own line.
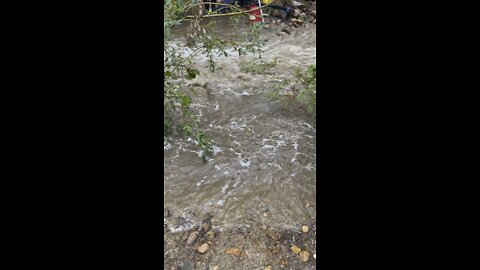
<point x="263" y="167"/>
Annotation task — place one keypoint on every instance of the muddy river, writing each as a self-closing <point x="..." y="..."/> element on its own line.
<point x="263" y="167"/>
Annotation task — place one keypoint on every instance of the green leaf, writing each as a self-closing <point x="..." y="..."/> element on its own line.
<point x="192" y="73"/>
<point x="186" y="101"/>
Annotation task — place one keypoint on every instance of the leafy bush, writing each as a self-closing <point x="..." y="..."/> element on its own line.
<point x="301" y="89"/>
<point x="179" y="116"/>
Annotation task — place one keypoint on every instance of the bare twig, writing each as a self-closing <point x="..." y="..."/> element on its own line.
<point x="219" y="4"/>
<point x="233" y="13"/>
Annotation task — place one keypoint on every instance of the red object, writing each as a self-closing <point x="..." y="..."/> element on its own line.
<point x="255" y="15"/>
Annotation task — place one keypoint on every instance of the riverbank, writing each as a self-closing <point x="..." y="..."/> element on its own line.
<point x="262" y="246"/>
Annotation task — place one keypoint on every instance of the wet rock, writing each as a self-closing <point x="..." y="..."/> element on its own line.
<point x="305" y="228"/>
<point x="233" y="251"/>
<point x="192" y="238"/>
<point x="285" y="30"/>
<point x="297" y="4"/>
<point x="296" y="13"/>
<point x="296" y="22"/>
<point x="203" y="248"/>
<point x="304" y="256"/>
<point x="295" y="249"/>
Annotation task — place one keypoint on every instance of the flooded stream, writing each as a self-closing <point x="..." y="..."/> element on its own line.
<point x="263" y="167"/>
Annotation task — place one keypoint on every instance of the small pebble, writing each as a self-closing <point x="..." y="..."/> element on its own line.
<point x="267" y="268"/>
<point x="295" y="249"/>
<point x="304" y="255"/>
<point x="203" y="248"/>
<point x="305" y="228"/>
<point x="206" y="226"/>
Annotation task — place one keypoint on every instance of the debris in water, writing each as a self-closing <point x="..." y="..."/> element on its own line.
<point x="191" y="238"/>
<point x="275" y="236"/>
<point x="233" y="251"/>
<point x="245" y="163"/>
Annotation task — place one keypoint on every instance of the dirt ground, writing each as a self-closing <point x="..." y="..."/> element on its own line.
<point x="257" y="247"/>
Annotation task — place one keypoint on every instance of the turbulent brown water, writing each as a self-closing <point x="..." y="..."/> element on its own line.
<point x="263" y="169"/>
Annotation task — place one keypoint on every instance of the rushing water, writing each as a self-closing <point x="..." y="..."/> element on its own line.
<point x="263" y="169"/>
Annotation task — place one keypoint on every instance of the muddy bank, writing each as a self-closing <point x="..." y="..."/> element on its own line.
<point x="206" y="247"/>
